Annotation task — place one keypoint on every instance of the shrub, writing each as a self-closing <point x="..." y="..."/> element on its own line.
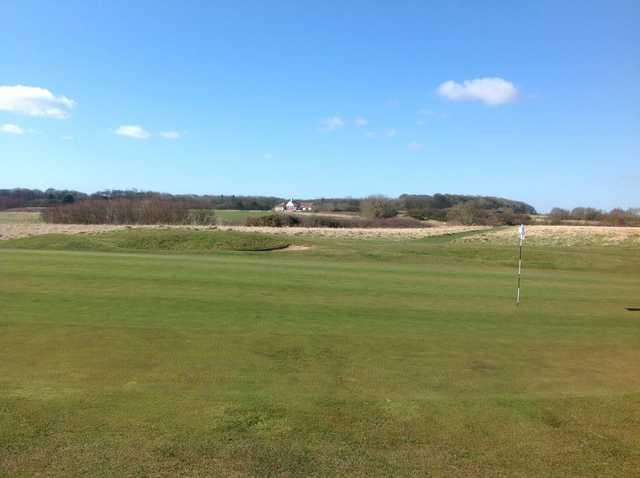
<point x="465" y="214"/>
<point x="378" y="207"/>
<point x="203" y="217"/>
<point x="274" y="220"/>
<point x="123" y="211"/>
<point x="287" y="220"/>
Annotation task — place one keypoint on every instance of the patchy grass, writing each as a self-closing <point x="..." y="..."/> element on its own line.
<point x="152" y="240"/>
<point x="237" y="217"/>
<point x="9" y="217"/>
<point x="355" y="358"/>
<point x="562" y="236"/>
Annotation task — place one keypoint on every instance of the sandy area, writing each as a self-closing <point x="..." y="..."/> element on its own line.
<point x="13" y="231"/>
<point x="561" y="235"/>
<point x="536" y="235"/>
<point x="401" y="233"/>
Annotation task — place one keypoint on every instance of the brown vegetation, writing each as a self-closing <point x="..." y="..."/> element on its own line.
<point x="334" y="222"/>
<point x="152" y="210"/>
<point x="596" y="217"/>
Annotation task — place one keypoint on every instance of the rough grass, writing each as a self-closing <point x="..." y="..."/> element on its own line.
<point x="562" y="236"/>
<point x="355" y="358"/>
<point x="9" y="217"/>
<point x="152" y="240"/>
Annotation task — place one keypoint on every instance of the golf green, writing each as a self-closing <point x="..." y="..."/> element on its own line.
<point x="371" y="357"/>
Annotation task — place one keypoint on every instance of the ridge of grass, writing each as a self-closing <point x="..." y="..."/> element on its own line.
<point x="152" y="240"/>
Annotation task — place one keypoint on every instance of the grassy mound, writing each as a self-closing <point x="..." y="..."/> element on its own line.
<point x="152" y="240"/>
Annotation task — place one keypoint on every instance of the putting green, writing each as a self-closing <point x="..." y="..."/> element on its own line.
<point x="354" y="358"/>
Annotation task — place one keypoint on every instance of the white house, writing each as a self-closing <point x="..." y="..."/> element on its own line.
<point x="293" y="206"/>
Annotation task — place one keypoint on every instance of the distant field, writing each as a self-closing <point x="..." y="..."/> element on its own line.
<point x="175" y="355"/>
<point x="7" y="217"/>
<point x="233" y="216"/>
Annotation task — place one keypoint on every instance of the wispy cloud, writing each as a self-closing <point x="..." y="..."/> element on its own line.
<point x="415" y="147"/>
<point x="331" y="124"/>
<point x="392" y="102"/>
<point x="490" y="91"/>
<point x="426" y="112"/>
<point x="170" y="134"/>
<point x="267" y="156"/>
<point x="132" y="131"/>
<point x="361" y="121"/>
<point x="34" y="101"/>
<point x="66" y="137"/>
<point x="9" y="128"/>
<point x="386" y="133"/>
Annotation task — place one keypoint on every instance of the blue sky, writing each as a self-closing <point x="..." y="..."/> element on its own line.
<point x="538" y="101"/>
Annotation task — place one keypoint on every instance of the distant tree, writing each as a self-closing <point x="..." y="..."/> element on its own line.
<point x="586" y="214"/>
<point x="465" y="214"/>
<point x="375" y="207"/>
<point x="68" y="199"/>
<point x="557" y="215"/>
<point x="441" y="201"/>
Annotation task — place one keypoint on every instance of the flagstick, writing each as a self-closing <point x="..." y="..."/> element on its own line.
<point x="519" y="273"/>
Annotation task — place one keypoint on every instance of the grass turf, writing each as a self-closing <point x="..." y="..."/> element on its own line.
<point x="237" y="216"/>
<point x="153" y="240"/>
<point x="356" y="358"/>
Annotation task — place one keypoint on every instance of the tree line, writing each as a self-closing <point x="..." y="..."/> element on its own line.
<point x="143" y="207"/>
<point x="22" y="198"/>
<point x="122" y="210"/>
<point x="590" y="215"/>
<point x="452" y="208"/>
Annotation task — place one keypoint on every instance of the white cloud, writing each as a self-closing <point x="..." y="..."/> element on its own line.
<point x="132" y="131"/>
<point x="371" y="134"/>
<point x="66" y="137"/>
<point x="491" y="91"/>
<point x="11" y="129"/>
<point x="170" y="134"/>
<point x="416" y="147"/>
<point x="361" y="121"/>
<point x="392" y="102"/>
<point x="33" y="101"/>
<point x="389" y="132"/>
<point x="331" y="124"/>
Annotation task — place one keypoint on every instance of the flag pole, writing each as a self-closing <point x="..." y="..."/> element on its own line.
<point x="522" y="235"/>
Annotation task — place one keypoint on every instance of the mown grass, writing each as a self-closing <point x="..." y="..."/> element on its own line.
<point x="355" y="358"/>
<point x="236" y="216"/>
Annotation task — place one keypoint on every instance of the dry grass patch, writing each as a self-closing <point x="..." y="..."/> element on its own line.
<point x="561" y="236"/>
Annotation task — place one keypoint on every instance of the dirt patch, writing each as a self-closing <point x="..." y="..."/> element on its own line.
<point x="297" y="248"/>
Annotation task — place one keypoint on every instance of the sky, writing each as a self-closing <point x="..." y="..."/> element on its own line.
<point x="536" y="101"/>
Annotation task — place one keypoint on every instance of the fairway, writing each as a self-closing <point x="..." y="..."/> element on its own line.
<point x="370" y="357"/>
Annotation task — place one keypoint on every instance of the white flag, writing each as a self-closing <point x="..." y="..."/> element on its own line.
<point x="523" y="232"/>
